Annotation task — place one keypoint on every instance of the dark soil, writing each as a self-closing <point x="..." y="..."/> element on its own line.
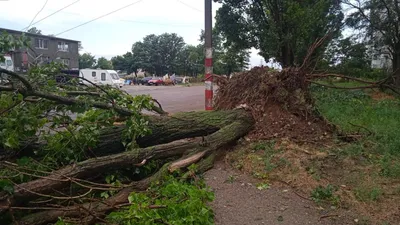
<point x="238" y="201"/>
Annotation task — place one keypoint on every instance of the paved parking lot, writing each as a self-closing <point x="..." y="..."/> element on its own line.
<point x="173" y="98"/>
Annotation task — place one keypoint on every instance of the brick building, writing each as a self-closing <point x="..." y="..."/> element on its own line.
<point x="44" y="49"/>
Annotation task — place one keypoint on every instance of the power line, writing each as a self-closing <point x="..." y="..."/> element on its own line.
<point x="100" y="17"/>
<point x="161" y="24"/>
<point x="187" y="5"/>
<point x="37" y="14"/>
<point x="52" y="14"/>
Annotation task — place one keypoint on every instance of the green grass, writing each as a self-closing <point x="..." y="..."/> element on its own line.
<point x="347" y="107"/>
<point x="366" y="194"/>
<point x="353" y="109"/>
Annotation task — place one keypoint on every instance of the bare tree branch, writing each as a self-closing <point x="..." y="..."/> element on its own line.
<point x="19" y="77"/>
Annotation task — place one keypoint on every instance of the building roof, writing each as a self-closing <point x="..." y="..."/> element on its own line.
<point x="36" y="35"/>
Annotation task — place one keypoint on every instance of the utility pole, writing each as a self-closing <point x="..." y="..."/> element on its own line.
<point x="208" y="51"/>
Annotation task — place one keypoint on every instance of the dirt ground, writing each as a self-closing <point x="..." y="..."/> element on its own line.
<point x="238" y="201"/>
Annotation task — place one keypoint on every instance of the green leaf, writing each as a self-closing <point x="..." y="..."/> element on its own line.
<point x="262" y="186"/>
<point x="7" y="186"/>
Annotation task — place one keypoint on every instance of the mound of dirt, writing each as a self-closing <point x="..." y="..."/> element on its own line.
<point x="280" y="102"/>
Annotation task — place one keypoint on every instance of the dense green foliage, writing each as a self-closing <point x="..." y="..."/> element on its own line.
<point x="281" y="29"/>
<point x="34" y="30"/>
<point x="168" y="53"/>
<point x="103" y="63"/>
<point x="168" y="202"/>
<point x="8" y="42"/>
<point x="86" y="61"/>
<point x="158" y="53"/>
<point x="227" y="57"/>
<point x="69" y="139"/>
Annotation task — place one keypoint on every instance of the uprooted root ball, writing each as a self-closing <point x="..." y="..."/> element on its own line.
<point x="280" y="101"/>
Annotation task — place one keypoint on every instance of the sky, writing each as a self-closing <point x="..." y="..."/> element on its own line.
<point x="113" y="34"/>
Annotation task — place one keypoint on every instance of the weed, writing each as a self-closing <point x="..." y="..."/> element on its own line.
<point x="262" y="186"/>
<point x="260" y="175"/>
<point x="368" y="194"/>
<point x="390" y="167"/>
<point x="231" y="179"/>
<point x="266" y="146"/>
<point x="283" y="162"/>
<point x="314" y="172"/>
<point x="269" y="166"/>
<point x="321" y="194"/>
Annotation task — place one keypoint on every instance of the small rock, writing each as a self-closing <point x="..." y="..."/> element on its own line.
<point x="285" y="190"/>
<point x="283" y="208"/>
<point x="356" y="220"/>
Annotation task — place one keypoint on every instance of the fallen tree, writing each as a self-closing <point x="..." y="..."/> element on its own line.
<point x="163" y="130"/>
<point x="69" y="156"/>
<point x="125" y="138"/>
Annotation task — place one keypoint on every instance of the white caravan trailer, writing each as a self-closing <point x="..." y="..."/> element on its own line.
<point x="101" y="77"/>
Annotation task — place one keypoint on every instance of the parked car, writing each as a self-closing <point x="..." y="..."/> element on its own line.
<point x="145" y="80"/>
<point x="156" y="81"/>
<point x="67" y="75"/>
<point x="178" y="80"/>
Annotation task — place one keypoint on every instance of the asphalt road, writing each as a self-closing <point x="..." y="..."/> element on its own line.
<point x="173" y="98"/>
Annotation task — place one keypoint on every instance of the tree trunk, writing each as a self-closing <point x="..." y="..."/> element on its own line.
<point x="237" y="124"/>
<point x="396" y="66"/>
<point x="164" y="129"/>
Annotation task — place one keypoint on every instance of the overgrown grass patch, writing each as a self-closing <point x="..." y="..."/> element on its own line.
<point x="367" y="170"/>
<point x="356" y="111"/>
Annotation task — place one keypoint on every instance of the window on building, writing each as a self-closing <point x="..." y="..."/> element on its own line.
<point x="65" y="62"/>
<point x="41" y="43"/>
<point x="103" y="76"/>
<point x="63" y="46"/>
<point x="94" y="74"/>
<point x="44" y="59"/>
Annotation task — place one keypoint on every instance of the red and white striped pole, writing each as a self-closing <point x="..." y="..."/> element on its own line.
<point x="208" y="59"/>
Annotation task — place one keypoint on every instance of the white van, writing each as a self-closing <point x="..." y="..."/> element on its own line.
<point x="7" y="64"/>
<point x="101" y="77"/>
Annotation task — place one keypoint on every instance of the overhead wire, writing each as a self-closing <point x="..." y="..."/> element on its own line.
<point x="162" y="24"/>
<point x="44" y="5"/>
<point x="52" y="14"/>
<point x="99" y="17"/>
<point x="187" y="5"/>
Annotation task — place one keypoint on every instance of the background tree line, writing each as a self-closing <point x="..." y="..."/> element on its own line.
<point x="284" y="29"/>
<point x="87" y="60"/>
<point x="160" y="54"/>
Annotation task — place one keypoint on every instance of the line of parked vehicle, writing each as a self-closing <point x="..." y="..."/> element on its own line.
<point x="153" y="81"/>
